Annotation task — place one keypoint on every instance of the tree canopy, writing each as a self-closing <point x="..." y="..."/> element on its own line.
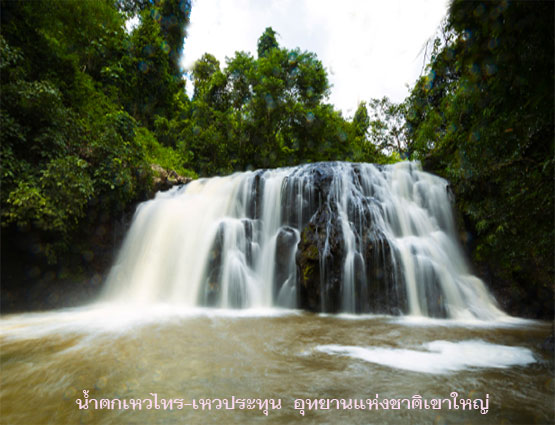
<point x="268" y="111"/>
<point x="75" y="118"/>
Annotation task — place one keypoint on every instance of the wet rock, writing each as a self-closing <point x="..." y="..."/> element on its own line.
<point x="256" y="189"/>
<point x="166" y="179"/>
<point x="386" y="293"/>
<point x="248" y="225"/>
<point x="210" y="295"/>
<point x="300" y="199"/>
<point x="286" y="242"/>
<point x="377" y="282"/>
<point x="319" y="260"/>
<point x="549" y="343"/>
<point x="322" y="177"/>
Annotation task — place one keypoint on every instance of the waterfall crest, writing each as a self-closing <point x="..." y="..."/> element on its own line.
<point x="330" y="237"/>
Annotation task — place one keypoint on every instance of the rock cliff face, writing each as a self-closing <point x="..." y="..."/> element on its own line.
<point x="319" y="260"/>
<point x="322" y="253"/>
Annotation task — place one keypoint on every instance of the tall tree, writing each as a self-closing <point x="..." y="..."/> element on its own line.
<point x="265" y="112"/>
<point x="267" y="42"/>
<point x="387" y="125"/>
<point x="155" y="83"/>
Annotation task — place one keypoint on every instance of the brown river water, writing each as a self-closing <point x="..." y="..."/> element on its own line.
<point x="161" y="353"/>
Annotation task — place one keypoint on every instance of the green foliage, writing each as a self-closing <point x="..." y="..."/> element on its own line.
<point x="174" y="18"/>
<point x="54" y="203"/>
<point x="268" y="112"/>
<point x="72" y="109"/>
<point x="483" y="118"/>
<point x="165" y="156"/>
<point x="153" y="78"/>
<point x="267" y="42"/>
<point x="57" y="198"/>
<point x="387" y="125"/>
<point x="361" y="121"/>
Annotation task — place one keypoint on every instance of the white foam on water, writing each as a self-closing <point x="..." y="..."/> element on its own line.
<point x="423" y="321"/>
<point x="438" y="357"/>
<point x="499" y="322"/>
<point x="357" y="317"/>
<point x="115" y="318"/>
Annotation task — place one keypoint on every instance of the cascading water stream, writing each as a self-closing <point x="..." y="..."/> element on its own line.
<point x="331" y="237"/>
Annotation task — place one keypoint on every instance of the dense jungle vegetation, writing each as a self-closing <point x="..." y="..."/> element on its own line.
<point x="482" y="117"/>
<point x="88" y="107"/>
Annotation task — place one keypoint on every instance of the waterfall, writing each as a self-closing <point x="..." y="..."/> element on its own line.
<point x="328" y="237"/>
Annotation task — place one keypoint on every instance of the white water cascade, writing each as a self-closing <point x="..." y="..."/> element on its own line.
<point x="329" y="237"/>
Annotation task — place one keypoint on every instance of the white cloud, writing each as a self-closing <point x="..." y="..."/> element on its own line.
<point x="370" y="48"/>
